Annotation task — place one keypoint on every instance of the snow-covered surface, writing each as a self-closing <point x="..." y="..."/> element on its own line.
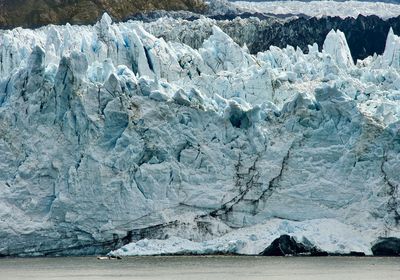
<point x="108" y="132"/>
<point x="322" y="8"/>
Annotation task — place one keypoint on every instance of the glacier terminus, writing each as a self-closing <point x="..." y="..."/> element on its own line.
<point x="113" y="139"/>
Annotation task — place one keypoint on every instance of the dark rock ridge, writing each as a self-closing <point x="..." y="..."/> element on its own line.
<point x="387" y="247"/>
<point x="35" y="13"/>
<point x="287" y="245"/>
<point x="365" y="35"/>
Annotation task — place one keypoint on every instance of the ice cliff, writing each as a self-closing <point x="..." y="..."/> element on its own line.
<point x="109" y="135"/>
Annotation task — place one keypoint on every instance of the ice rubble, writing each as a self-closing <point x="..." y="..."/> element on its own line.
<point x="111" y="135"/>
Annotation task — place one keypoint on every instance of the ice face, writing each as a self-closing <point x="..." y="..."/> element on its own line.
<point x="391" y="56"/>
<point x="109" y="135"/>
<point x="336" y="46"/>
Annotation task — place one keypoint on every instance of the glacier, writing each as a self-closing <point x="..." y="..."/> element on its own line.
<point x="321" y="8"/>
<point x="114" y="138"/>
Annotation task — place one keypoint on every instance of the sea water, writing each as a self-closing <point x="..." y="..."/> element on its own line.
<point x="202" y="267"/>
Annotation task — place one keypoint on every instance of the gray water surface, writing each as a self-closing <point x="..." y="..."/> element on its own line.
<point x="198" y="268"/>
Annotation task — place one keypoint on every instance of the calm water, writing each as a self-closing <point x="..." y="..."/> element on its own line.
<point x="220" y="267"/>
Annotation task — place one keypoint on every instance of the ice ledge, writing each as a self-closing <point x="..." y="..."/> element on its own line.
<point x="329" y="235"/>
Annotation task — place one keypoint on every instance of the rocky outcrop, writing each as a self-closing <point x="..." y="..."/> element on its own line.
<point x="33" y="13"/>
<point x="287" y="245"/>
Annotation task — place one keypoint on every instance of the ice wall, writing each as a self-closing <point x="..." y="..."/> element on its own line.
<point x="110" y="135"/>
